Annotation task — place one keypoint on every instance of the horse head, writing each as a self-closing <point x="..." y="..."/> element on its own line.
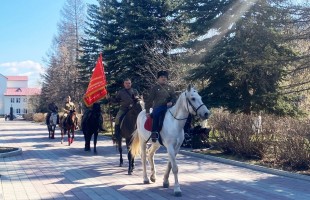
<point x="194" y="103"/>
<point x="137" y="107"/>
<point x="71" y="119"/>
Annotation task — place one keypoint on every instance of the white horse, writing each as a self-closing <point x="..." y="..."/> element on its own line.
<point x="172" y="135"/>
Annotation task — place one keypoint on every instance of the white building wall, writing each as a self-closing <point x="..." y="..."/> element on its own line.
<point x="22" y="105"/>
<point x="3" y="86"/>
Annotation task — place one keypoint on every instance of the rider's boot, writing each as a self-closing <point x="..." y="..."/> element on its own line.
<point x="154" y="136"/>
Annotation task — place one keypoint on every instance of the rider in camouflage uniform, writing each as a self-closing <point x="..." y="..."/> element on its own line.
<point x="69" y="107"/>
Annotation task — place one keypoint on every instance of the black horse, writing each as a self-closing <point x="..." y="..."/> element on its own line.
<point x="128" y="126"/>
<point x="52" y="119"/>
<point x="91" y="124"/>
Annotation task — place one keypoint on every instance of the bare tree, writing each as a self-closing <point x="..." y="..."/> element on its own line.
<point x="61" y="75"/>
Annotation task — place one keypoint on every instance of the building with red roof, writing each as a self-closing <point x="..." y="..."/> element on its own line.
<point x="15" y="93"/>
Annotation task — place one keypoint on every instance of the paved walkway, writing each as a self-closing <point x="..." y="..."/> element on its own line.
<point x="47" y="169"/>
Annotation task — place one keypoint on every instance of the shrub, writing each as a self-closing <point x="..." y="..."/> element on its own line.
<point x="292" y="149"/>
<point x="39" y="117"/>
<point x="284" y="141"/>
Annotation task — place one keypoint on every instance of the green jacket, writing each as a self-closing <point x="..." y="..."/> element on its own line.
<point x="125" y="98"/>
<point x="160" y="95"/>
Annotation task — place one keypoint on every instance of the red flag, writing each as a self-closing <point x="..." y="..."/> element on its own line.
<point x="96" y="88"/>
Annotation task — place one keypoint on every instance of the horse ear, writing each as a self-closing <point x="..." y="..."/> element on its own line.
<point x="189" y="87"/>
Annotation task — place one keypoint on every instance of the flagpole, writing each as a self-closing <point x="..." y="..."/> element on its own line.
<point x="111" y="123"/>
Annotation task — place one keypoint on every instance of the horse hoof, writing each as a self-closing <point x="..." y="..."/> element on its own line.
<point x="146" y="182"/>
<point x="165" y="185"/>
<point x="153" y="179"/>
<point x="129" y="172"/>
<point x="178" y="194"/>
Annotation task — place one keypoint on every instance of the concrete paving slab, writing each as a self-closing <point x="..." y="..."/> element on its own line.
<point x="47" y="169"/>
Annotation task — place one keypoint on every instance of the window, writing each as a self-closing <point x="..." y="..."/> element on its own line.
<point x="25" y="111"/>
<point x="25" y="100"/>
<point x="18" y="110"/>
<point x="12" y="100"/>
<point x="17" y="100"/>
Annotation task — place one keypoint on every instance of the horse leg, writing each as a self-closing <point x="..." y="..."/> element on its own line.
<point x="85" y="139"/>
<point x="174" y="167"/>
<point x="151" y="153"/>
<point x="95" y="142"/>
<point x="129" y="156"/>
<point x="62" y="135"/>
<point x="120" y="150"/>
<point x="143" y="159"/>
<point x="53" y="131"/>
<point x="48" y="128"/>
<point x="87" y="142"/>
<point x="69" y="138"/>
<point x="72" y="137"/>
<point x="166" y="176"/>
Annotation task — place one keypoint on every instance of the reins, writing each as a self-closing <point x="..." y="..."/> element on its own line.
<point x="193" y="107"/>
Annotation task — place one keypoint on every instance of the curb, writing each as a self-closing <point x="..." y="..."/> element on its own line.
<point x="12" y="153"/>
<point x="248" y="166"/>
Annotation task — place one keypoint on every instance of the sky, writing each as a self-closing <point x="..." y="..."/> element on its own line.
<point x="27" y="28"/>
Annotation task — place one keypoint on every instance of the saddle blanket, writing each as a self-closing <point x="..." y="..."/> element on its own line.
<point x="148" y="124"/>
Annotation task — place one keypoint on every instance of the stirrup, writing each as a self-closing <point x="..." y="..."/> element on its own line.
<point x="154" y="136"/>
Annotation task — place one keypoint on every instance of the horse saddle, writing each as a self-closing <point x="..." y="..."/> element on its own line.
<point x="149" y="122"/>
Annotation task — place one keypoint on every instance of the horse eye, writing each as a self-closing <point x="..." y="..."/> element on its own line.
<point x="193" y="99"/>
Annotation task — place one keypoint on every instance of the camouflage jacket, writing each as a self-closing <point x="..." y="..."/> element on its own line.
<point x="68" y="106"/>
<point x="159" y="95"/>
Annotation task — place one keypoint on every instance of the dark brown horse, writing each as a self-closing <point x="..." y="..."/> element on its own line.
<point x="67" y="126"/>
<point x="128" y="126"/>
<point x="91" y="123"/>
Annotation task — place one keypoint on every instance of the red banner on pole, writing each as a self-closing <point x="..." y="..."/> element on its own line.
<point x="96" y="89"/>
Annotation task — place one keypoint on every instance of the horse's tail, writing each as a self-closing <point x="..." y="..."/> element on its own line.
<point x="135" y="144"/>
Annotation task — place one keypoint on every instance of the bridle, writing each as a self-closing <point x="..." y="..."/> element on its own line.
<point x="188" y="102"/>
<point x="193" y="107"/>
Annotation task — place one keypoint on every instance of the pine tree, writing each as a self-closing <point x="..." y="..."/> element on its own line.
<point x="125" y="31"/>
<point x="245" y="68"/>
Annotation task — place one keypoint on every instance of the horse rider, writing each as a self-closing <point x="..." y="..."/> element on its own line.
<point x="160" y="98"/>
<point x="125" y="97"/>
<point x="95" y="108"/>
<point x="68" y="109"/>
<point x="51" y="108"/>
